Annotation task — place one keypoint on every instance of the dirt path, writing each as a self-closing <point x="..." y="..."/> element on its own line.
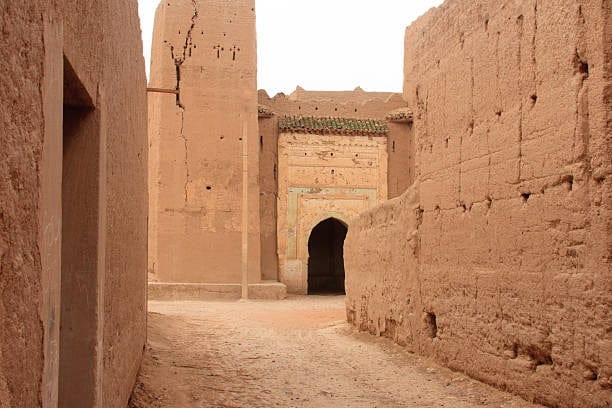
<point x="299" y="352"/>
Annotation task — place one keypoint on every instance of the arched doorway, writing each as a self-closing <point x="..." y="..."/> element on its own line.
<point x="326" y="257"/>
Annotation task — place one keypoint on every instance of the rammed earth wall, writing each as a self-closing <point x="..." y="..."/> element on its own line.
<point x="496" y="262"/>
<point x="207" y="50"/>
<point x="73" y="203"/>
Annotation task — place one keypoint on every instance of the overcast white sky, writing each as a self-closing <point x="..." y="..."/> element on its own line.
<point x="324" y="44"/>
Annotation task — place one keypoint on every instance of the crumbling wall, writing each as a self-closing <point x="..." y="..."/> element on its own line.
<point x="344" y="104"/>
<point x="510" y="279"/>
<point x="383" y="302"/>
<point x="205" y="50"/>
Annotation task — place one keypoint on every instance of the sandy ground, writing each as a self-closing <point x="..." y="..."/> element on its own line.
<point x="299" y="352"/>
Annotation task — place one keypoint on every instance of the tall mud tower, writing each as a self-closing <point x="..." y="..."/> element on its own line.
<point x="205" y="50"/>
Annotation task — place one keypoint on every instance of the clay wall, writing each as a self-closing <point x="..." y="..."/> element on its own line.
<point x="46" y="164"/>
<point x="206" y="50"/>
<point x="401" y="156"/>
<point x="502" y="270"/>
<point x="344" y="104"/>
<point x="22" y="128"/>
<point x="268" y="194"/>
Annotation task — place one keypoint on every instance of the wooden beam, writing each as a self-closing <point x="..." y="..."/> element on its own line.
<point x="162" y="90"/>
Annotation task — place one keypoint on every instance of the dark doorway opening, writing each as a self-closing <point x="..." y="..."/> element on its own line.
<point x="326" y="257"/>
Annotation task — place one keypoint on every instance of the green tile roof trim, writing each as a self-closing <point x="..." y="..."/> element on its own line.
<point x="264" y="111"/>
<point x="400" y="115"/>
<point x="343" y="126"/>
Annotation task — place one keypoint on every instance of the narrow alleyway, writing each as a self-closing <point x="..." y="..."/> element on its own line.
<point x="299" y="352"/>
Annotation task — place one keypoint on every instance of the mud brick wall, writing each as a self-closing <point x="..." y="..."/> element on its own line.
<point x="21" y="142"/>
<point x="502" y="268"/>
<point x="344" y="104"/>
<point x="206" y="50"/>
<point x="70" y="126"/>
<point x="268" y="195"/>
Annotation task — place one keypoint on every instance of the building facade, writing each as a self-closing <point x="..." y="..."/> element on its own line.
<point x="330" y="161"/>
<point x="73" y="203"/>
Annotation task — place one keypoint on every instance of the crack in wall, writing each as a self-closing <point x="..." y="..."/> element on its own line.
<point x="581" y="113"/>
<point x="187" y="47"/>
<point x="521" y="31"/>
<point x="534" y="84"/>
<point x="419" y="211"/>
<point x="498" y="90"/>
<point x="186" y="157"/>
<point x="470" y="129"/>
<point x="534" y="62"/>
<point x="178" y="60"/>
<point x="425" y="125"/>
<point x="488" y="162"/>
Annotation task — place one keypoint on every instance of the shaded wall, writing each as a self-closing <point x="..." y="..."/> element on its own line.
<point x="206" y="50"/>
<point x="268" y="194"/>
<point x="53" y="60"/>
<point x="502" y="268"/>
<point x="401" y="156"/>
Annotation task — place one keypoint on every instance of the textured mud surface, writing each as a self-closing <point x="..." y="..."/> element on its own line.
<point x="294" y="353"/>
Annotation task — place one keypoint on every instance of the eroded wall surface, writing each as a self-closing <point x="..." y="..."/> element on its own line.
<point x="502" y="266"/>
<point x="52" y="59"/>
<point x="21" y="141"/>
<point x="206" y="50"/>
<point x="344" y="104"/>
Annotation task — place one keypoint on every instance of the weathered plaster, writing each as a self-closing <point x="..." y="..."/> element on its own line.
<point x="323" y="176"/>
<point x="496" y="262"/>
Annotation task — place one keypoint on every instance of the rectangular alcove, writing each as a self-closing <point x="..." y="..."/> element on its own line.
<point x="80" y="250"/>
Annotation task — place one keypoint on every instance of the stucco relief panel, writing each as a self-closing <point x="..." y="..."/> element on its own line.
<point x="323" y="176"/>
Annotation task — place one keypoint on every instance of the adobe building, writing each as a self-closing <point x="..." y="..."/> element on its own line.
<point x="204" y="50"/>
<point x="312" y="156"/>
<point x="73" y="203"/>
<point x="326" y="158"/>
<point x="496" y="262"/>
